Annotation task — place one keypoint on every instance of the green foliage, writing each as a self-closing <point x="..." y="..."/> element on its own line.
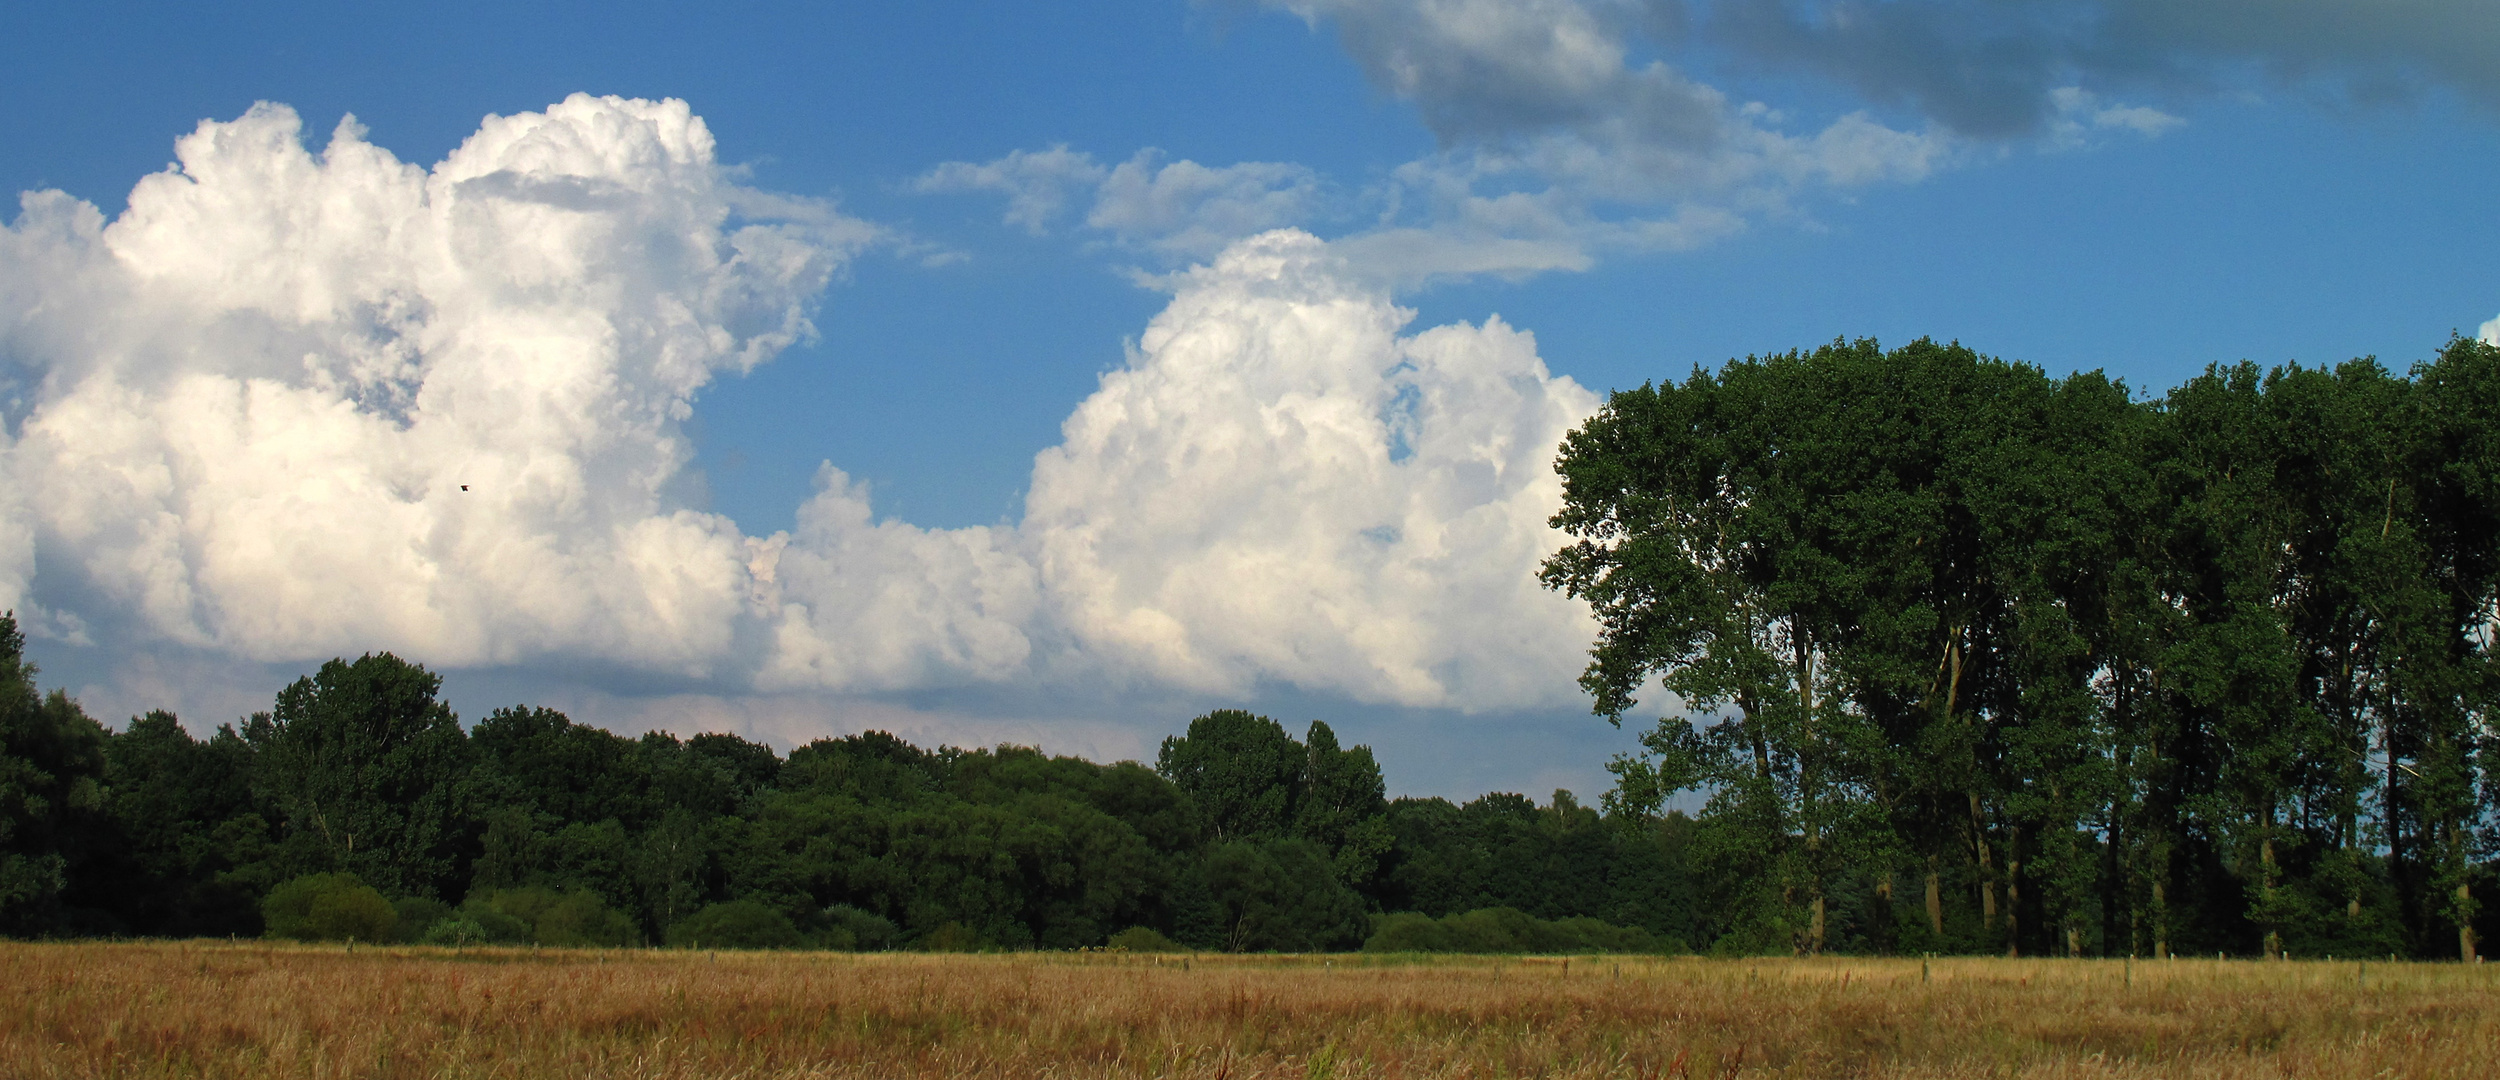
<point x="416" y="916"/>
<point x="736" y="924"/>
<point x="190" y="850"/>
<point x="479" y="921"/>
<point x="1143" y="939"/>
<point x="329" y="907"/>
<point x="542" y="916"/>
<point x="51" y="799"/>
<point x="1279" y="896"/>
<point x="1244" y="772"/>
<point x="457" y="930"/>
<point x="1559" y="861"/>
<point x="1254" y="782"/>
<point x="367" y="772"/>
<point x="1508" y="930"/>
<point x="2123" y="676"/>
<point x="953" y="937"/>
<point x="851" y="929"/>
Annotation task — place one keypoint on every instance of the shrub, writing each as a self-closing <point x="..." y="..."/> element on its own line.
<point x="454" y="930"/>
<point x="581" y="920"/>
<point x="1143" y="939"/>
<point x="547" y="917"/>
<point x="866" y="931"/>
<point x="494" y="925"/>
<point x="328" y="907"/>
<point x="738" y="924"/>
<point x="417" y="916"/>
<point x="1409" y="931"/>
<point x="1496" y="930"/>
<point x="950" y="937"/>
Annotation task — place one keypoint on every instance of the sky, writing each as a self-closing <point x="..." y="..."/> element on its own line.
<point x="1051" y="374"/>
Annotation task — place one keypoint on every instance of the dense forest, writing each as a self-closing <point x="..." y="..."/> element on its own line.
<point x="359" y="807"/>
<point x="1953" y="656"/>
<point x="1968" y="658"/>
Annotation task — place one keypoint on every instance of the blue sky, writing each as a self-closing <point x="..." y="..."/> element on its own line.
<point x="2090" y="184"/>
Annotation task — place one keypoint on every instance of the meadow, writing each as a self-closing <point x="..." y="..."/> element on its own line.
<point x="285" y="1011"/>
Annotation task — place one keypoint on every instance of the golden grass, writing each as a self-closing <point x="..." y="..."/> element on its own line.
<point x="255" y="1010"/>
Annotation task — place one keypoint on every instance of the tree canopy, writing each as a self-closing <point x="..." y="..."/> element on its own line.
<point x="359" y="808"/>
<point x="2093" y="673"/>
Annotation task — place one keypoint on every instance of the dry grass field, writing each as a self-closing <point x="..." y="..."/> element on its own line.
<point x="255" y="1010"/>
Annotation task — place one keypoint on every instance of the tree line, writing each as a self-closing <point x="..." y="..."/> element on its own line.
<point x="360" y="807"/>
<point x="1962" y="657"/>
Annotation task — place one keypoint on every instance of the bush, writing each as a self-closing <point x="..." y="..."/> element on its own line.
<point x="454" y="930"/>
<point x="1143" y="939"/>
<point x="417" y="916"/>
<point x="493" y="925"/>
<point x="865" y="931"/>
<point x="577" y="919"/>
<point x="581" y="920"/>
<point x="1409" y="931"/>
<point x="328" y="907"/>
<point x="950" y="937"/>
<point x="738" y="924"/>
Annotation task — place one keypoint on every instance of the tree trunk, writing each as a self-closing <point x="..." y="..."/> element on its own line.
<point x="2161" y="919"/>
<point x="1809" y="814"/>
<point x="1987" y="869"/>
<point x="2465" y="923"/>
<point x="2013" y="892"/>
<point x="1935" y="899"/>
<point x="2114" y="892"/>
<point x="2265" y="847"/>
<point x="1814" y="935"/>
<point x="2408" y="902"/>
<point x="2465" y="893"/>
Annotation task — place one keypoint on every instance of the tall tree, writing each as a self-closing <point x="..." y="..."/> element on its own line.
<point x="1342" y="806"/>
<point x="51" y="798"/>
<point x="1750" y="540"/>
<point x="1242" y="769"/>
<point x="2453" y="673"/>
<point x="191" y="845"/>
<point x="366" y="769"/>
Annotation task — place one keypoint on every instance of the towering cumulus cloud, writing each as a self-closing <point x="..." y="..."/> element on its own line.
<point x="1276" y="486"/>
<point x="292" y="404"/>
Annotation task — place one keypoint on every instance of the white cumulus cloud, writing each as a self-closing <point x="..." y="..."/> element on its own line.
<point x="295" y="404"/>
<point x="1280" y="485"/>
